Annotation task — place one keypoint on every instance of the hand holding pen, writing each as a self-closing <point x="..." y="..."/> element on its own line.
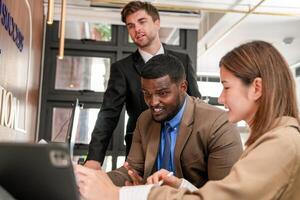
<point x="164" y="177"/>
<point x="162" y="180"/>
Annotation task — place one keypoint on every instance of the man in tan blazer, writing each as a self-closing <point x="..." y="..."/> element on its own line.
<point x="206" y="144"/>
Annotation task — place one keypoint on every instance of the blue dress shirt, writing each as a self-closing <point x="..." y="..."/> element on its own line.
<point x="174" y="123"/>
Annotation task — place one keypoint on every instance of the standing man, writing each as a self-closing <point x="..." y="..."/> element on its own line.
<point x="124" y="87"/>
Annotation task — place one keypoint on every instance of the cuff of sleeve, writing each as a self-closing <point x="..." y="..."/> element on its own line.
<point x="139" y="192"/>
<point x="187" y="185"/>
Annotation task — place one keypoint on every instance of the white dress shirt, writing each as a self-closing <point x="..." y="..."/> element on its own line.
<point x="147" y="56"/>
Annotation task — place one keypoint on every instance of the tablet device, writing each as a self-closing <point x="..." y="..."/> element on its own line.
<point x="37" y="171"/>
<point x="72" y="128"/>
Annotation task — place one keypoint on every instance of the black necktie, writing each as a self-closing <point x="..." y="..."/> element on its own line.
<point x="167" y="148"/>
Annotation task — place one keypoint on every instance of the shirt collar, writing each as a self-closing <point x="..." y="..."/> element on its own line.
<point x="177" y="118"/>
<point x="147" y="56"/>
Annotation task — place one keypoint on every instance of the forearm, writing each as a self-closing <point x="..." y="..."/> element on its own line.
<point x="104" y="127"/>
<point x="98" y="146"/>
<point x="108" y="117"/>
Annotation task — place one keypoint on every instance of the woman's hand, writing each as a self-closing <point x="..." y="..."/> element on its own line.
<point x="95" y="184"/>
<point x="162" y="174"/>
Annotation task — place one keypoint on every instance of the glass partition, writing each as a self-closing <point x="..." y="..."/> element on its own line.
<point x="88" y="31"/>
<point x="82" y="73"/>
<point x="60" y="122"/>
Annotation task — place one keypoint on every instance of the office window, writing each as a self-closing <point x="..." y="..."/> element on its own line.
<point x="82" y="73"/>
<point x="61" y="120"/>
<point x="88" y="31"/>
<point x="60" y="123"/>
<point x="169" y="36"/>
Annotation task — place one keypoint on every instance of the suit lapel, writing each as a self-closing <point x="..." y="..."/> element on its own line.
<point x="152" y="148"/>
<point x="166" y="52"/>
<point x="138" y="61"/>
<point x="185" y="130"/>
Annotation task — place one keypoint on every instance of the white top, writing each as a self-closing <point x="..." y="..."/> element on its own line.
<point x="147" y="56"/>
<point x="141" y="192"/>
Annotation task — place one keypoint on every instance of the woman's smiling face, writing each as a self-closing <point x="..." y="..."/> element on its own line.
<point x="237" y="97"/>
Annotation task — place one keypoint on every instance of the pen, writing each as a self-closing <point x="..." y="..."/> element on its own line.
<point x="168" y="175"/>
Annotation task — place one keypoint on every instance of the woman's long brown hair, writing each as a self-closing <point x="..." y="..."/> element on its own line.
<point x="261" y="59"/>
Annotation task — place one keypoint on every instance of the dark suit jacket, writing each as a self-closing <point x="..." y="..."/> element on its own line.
<point x="124" y="86"/>
<point x="207" y="145"/>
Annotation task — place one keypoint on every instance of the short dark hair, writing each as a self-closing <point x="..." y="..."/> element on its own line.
<point x="135" y="6"/>
<point x="162" y="65"/>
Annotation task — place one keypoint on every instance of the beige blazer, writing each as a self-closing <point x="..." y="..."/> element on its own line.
<point x="207" y="145"/>
<point x="268" y="169"/>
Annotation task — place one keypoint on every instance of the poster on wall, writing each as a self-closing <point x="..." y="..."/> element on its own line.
<point x="15" y="56"/>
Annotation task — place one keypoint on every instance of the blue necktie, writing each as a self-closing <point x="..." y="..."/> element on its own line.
<point x="166" y="163"/>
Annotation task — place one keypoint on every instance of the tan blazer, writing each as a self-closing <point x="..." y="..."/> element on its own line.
<point x="268" y="169"/>
<point x="207" y="145"/>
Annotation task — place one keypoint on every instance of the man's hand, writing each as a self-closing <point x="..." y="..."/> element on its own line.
<point x="95" y="184"/>
<point x="136" y="179"/>
<point x="93" y="164"/>
<point x="162" y="174"/>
